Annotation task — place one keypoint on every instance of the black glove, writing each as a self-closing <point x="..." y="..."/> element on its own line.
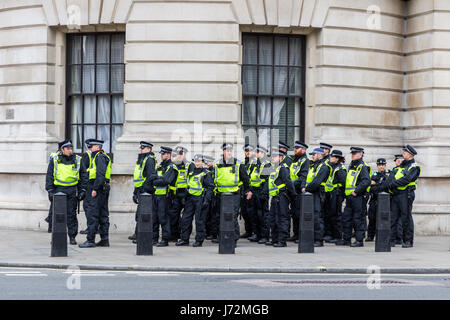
<point x="135" y="198"/>
<point x="51" y="193"/>
<point x="81" y="195"/>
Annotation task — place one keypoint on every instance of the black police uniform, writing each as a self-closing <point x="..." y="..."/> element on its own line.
<point x="353" y="216"/>
<point x="402" y="202"/>
<point x="97" y="208"/>
<point x="333" y="204"/>
<point x="299" y="184"/>
<point x="316" y="189"/>
<point x="147" y="187"/>
<point x="70" y="191"/>
<point x="245" y="212"/>
<point x="379" y="178"/>
<point x="177" y="203"/>
<point x="195" y="206"/>
<point x="278" y="217"/>
<point x="211" y="217"/>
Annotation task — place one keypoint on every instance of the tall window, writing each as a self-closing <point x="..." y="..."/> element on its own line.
<point x="273" y="76"/>
<point x="95" y="77"/>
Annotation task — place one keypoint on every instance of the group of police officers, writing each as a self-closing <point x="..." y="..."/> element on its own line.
<point x="267" y="190"/>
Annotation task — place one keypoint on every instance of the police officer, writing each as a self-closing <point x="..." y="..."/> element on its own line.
<point x="48" y="219"/>
<point x="298" y="173"/>
<point x="144" y="169"/>
<point x="211" y="217"/>
<point x="258" y="205"/>
<point x="317" y="174"/>
<point x="178" y="196"/>
<point x="282" y="191"/>
<point x="326" y="147"/>
<point x="284" y="148"/>
<point x="97" y="197"/>
<point x="403" y="187"/>
<point x="65" y="174"/>
<point x="165" y="185"/>
<point x="86" y="161"/>
<point x="376" y="181"/>
<point x="245" y="213"/>
<point x="228" y="175"/>
<point x="333" y="188"/>
<point x="357" y="181"/>
<point x="398" y="159"/>
<point x="200" y="188"/>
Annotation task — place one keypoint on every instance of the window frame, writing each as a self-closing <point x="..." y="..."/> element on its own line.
<point x="301" y="121"/>
<point x="82" y="95"/>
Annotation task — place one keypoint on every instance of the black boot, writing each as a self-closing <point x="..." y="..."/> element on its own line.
<point x="327" y="238"/>
<point x="318" y="243"/>
<point x="103" y="243"/>
<point x="87" y="244"/>
<point x="341" y="242"/>
<point x="246" y="235"/>
<point x="369" y="239"/>
<point x="253" y="238"/>
<point x="182" y="242"/>
<point x="293" y="238"/>
<point x="72" y="241"/>
<point x="197" y="244"/>
<point x="407" y="244"/>
<point x="132" y="237"/>
<point x="280" y="244"/>
<point x="215" y="240"/>
<point x="262" y="241"/>
<point x="163" y="243"/>
<point x="357" y="244"/>
<point x="210" y="237"/>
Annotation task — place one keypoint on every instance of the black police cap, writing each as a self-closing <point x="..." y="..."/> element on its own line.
<point x="381" y="161"/>
<point x="248" y="147"/>
<point x="145" y="144"/>
<point x="324" y="145"/>
<point x="95" y="142"/>
<point x="410" y="150"/>
<point x="261" y="149"/>
<point x="198" y="157"/>
<point x="165" y="150"/>
<point x="398" y="156"/>
<point x="282" y="145"/>
<point x="180" y="149"/>
<point x="208" y="159"/>
<point x="356" y="149"/>
<point x="277" y="152"/>
<point x="227" y="145"/>
<point x="299" y="144"/>
<point x="65" y="143"/>
<point x="337" y="153"/>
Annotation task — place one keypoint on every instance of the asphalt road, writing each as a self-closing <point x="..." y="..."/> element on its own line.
<point x="43" y="284"/>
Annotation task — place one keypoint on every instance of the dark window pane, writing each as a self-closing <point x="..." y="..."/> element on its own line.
<point x="76" y="114"/>
<point x="116" y="133"/>
<point x="103" y="134"/>
<point x="88" y="79"/>
<point x="279" y="134"/>
<point x="293" y="112"/>
<point x="281" y="51"/>
<point x="295" y="81"/>
<point x="250" y="44"/>
<point x="117" y="109"/>
<point x="89" y="109"/>
<point x="266" y="50"/>
<point x="280" y="80"/>
<point x="279" y="112"/>
<point x="88" y="49"/>
<point x="117" y="47"/>
<point x="295" y="52"/>
<point x="102" y="79"/>
<point x="76" y="139"/>
<point x="264" y="110"/>
<point x="293" y="135"/>
<point x="117" y="78"/>
<point x="103" y="109"/>
<point x="75" y="50"/>
<point x="103" y="49"/>
<point x="249" y="78"/>
<point x="75" y="79"/>
<point x="265" y="77"/>
<point x="249" y="111"/>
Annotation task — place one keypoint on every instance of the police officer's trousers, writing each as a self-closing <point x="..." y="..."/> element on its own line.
<point x="213" y="220"/>
<point x="372" y="215"/>
<point x="353" y="217"/>
<point x="160" y="217"/>
<point x="318" y="217"/>
<point x="402" y="211"/>
<point x="72" y="205"/>
<point x="279" y="217"/>
<point x="175" y="207"/>
<point x="259" y="207"/>
<point x="332" y="215"/>
<point x="97" y="212"/>
<point x="246" y="214"/>
<point x="295" y="217"/>
<point x="193" y="208"/>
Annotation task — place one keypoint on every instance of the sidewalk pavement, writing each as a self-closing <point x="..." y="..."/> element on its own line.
<point x="32" y="249"/>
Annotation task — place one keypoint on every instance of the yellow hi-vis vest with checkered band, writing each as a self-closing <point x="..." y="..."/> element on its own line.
<point x="255" y="175"/>
<point x="163" y="190"/>
<point x="66" y="174"/>
<point x="327" y="163"/>
<point x="93" y="167"/>
<point x="329" y="185"/>
<point x="312" y="173"/>
<point x="138" y="179"/>
<point x="401" y="173"/>
<point x="352" y="177"/>
<point x="227" y="178"/>
<point x="295" y="168"/>
<point x="194" y="185"/>
<point x="274" y="189"/>
<point x="182" y="176"/>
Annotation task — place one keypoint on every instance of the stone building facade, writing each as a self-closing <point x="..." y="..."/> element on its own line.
<point x="375" y="73"/>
